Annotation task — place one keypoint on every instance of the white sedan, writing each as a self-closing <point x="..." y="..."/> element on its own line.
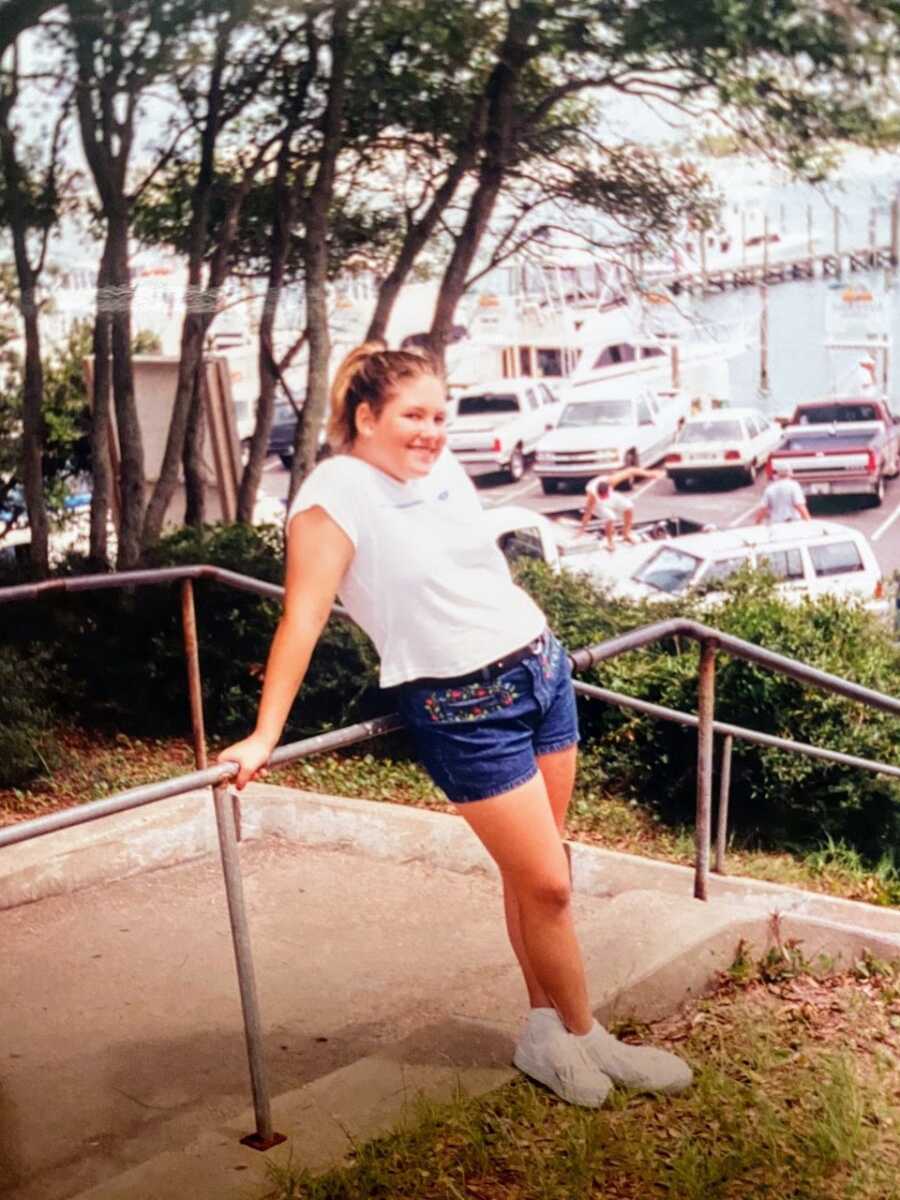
<point x="737" y="440"/>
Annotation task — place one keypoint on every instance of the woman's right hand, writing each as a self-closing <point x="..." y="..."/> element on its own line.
<point x="251" y="755"/>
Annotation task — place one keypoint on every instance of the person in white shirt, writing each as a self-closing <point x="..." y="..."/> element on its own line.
<point x="783" y="499"/>
<point x="392" y="523"/>
<point x="602" y="498"/>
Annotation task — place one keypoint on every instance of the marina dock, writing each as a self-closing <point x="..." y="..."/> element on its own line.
<point x="833" y="264"/>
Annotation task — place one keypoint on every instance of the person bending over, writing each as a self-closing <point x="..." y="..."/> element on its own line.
<point x="602" y="498"/>
<point x="393" y="524"/>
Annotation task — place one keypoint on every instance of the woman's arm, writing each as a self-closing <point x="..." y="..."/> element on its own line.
<point x="318" y="555"/>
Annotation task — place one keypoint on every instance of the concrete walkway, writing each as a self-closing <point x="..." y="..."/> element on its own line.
<point x="383" y="973"/>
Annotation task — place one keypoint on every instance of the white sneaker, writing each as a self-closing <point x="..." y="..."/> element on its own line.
<point x="642" y="1068"/>
<point x="547" y="1052"/>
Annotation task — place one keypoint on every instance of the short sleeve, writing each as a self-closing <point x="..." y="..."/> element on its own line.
<point x="329" y="486"/>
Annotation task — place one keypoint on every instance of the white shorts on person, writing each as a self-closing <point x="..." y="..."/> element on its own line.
<point x="611" y="506"/>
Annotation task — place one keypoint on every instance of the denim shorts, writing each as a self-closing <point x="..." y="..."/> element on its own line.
<point x="482" y="739"/>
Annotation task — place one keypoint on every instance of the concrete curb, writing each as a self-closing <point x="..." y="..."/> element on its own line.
<point x="181" y="829"/>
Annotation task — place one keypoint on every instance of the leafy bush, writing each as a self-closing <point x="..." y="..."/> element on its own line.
<point x="777" y="797"/>
<point x="123" y="650"/>
<point x="27" y="745"/>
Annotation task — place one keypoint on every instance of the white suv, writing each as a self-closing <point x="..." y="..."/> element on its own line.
<point x="497" y="426"/>
<point x="807" y="558"/>
<point x="604" y="428"/>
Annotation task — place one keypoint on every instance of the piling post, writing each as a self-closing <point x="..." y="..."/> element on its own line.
<point x="837" y="243"/>
<point x="704" y="281"/>
<point x="765" y="264"/>
<point x="763" y="337"/>
<point x="895" y="232"/>
<point x="873" y="237"/>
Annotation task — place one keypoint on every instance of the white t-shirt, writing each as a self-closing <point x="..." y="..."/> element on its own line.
<point x="781" y="497"/>
<point x="427" y="582"/>
<point x="610" y="506"/>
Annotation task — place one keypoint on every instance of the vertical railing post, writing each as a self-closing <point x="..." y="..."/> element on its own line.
<point x="192" y="659"/>
<point x="705" y="711"/>
<point x="722" y="815"/>
<point x="264" y="1137"/>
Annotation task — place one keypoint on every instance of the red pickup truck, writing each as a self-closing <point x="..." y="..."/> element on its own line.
<point x="843" y="446"/>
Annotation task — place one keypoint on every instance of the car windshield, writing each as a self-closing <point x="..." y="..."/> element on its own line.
<point x="597" y="412"/>
<point x="711" y="431"/>
<point x="486" y="404"/>
<point x="669" y="570"/>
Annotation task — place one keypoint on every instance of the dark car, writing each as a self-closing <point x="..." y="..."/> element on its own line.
<point x="284" y="429"/>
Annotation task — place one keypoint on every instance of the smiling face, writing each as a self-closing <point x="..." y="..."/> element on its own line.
<point x="405" y="438"/>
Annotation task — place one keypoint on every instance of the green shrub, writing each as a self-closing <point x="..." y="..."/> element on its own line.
<point x="123" y="650"/>
<point x="777" y="797"/>
<point x="27" y="745"/>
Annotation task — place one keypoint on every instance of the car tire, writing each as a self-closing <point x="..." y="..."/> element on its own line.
<point x="549" y="486"/>
<point x="878" y="494"/>
<point x="287" y="460"/>
<point x="750" y="472"/>
<point x="515" y="468"/>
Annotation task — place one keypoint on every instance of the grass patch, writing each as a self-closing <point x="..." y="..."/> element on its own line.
<point x="797" y="1097"/>
<point x="93" y="765"/>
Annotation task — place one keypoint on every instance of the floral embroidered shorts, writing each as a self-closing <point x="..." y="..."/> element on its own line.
<point x="482" y="739"/>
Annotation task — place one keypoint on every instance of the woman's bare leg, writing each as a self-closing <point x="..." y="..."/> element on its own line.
<point x="520" y="831"/>
<point x="558" y="773"/>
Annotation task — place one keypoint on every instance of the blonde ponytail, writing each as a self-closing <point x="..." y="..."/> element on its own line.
<point x="369" y="374"/>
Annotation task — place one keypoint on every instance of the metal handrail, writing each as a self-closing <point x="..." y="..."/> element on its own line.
<point x="227" y="807"/>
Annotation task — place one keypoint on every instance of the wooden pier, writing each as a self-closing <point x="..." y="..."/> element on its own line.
<point x="808" y="266"/>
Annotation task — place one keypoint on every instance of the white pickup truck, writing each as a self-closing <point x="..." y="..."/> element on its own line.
<point x="601" y="430"/>
<point x="497" y="427"/>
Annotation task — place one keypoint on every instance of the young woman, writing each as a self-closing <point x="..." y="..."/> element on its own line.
<point x="393" y="524"/>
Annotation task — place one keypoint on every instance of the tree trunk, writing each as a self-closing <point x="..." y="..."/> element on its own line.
<point x="315" y="256"/>
<point x="33" y="384"/>
<point x="33" y="441"/>
<point x="193" y="332"/>
<point x="265" y="409"/>
<point x="419" y="232"/>
<point x="101" y="468"/>
<point x="499" y="144"/>
<point x="131" y="448"/>
<point x="192" y="461"/>
<point x="268" y="372"/>
<point x="200" y="312"/>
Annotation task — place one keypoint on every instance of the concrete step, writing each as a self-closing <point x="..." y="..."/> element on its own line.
<point x="383" y="972"/>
